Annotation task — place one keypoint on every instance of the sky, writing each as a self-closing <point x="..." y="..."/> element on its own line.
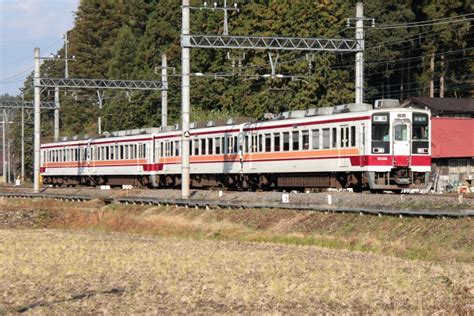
<point x="24" y="25"/>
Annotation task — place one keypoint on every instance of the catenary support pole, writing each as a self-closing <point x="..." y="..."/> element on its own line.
<point x="359" y="76"/>
<point x="4" y="157"/>
<point x="22" y="143"/>
<point x="66" y="66"/>
<point x="185" y="103"/>
<point x="37" y="122"/>
<point x="164" y="92"/>
<point x="56" y="114"/>
<point x="100" y="96"/>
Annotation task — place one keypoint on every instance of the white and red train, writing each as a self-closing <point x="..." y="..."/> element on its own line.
<point x="386" y="148"/>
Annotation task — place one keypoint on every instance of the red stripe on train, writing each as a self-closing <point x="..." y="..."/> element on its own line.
<point x="389" y="160"/>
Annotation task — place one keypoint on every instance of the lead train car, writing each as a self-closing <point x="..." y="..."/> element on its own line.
<point x="355" y="146"/>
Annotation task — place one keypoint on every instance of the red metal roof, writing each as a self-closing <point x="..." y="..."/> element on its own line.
<point x="452" y="137"/>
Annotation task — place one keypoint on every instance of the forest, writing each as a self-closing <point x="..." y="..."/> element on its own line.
<point x="413" y="45"/>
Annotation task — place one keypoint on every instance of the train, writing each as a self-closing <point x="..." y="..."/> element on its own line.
<point x="358" y="146"/>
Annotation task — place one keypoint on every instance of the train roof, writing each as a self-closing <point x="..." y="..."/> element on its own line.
<point x="354" y="108"/>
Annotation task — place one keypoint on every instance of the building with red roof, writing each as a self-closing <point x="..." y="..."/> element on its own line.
<point x="452" y="137"/>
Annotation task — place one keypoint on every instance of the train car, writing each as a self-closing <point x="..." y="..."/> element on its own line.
<point x="347" y="146"/>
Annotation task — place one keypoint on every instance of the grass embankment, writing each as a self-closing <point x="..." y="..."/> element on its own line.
<point x="426" y="239"/>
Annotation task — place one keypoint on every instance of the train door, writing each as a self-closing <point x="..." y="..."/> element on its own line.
<point x="362" y="161"/>
<point x="343" y="144"/>
<point x="401" y="142"/>
<point x="88" y="157"/>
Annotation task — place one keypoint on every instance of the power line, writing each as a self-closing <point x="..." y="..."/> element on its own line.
<point x="450" y="20"/>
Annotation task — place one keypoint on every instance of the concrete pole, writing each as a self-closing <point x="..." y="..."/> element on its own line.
<point x="4" y="157"/>
<point x="226" y="27"/>
<point x="441" y="78"/>
<point x="432" y="66"/>
<point x="100" y="96"/>
<point x="22" y="144"/>
<point x="37" y="122"/>
<point x="66" y="68"/>
<point x="9" y="160"/>
<point x="56" y="114"/>
<point x="185" y="104"/>
<point x="164" y="92"/>
<point x="359" y="75"/>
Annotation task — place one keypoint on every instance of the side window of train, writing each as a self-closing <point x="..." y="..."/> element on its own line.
<point x="196" y="147"/>
<point x="210" y="146"/>
<point x="268" y="143"/>
<point x="315" y="138"/>
<point x="334" y="137"/>
<point x="296" y="140"/>
<point x="286" y="141"/>
<point x="344" y="136"/>
<point x="276" y="141"/>
<point x="305" y="140"/>
<point x="176" y="147"/>
<point x="203" y="146"/>
<point x="353" y="136"/>
<point x="326" y="138"/>
<point x="218" y="145"/>
<point x="236" y="145"/>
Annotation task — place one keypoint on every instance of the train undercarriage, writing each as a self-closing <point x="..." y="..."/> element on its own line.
<point x="396" y="180"/>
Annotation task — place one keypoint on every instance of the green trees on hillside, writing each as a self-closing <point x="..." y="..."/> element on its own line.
<point x="124" y="39"/>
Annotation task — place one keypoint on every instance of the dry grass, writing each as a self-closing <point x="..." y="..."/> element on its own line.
<point x="449" y="240"/>
<point x="58" y="272"/>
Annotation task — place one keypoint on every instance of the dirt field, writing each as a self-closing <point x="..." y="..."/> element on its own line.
<point x="60" y="272"/>
<point x="90" y="258"/>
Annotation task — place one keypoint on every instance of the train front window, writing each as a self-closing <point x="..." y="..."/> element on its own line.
<point x="420" y="126"/>
<point x="380" y="133"/>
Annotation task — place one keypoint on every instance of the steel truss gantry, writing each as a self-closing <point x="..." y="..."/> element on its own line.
<point x="78" y="83"/>
<point x="73" y="83"/>
<point x="270" y="43"/>
<point x="26" y="105"/>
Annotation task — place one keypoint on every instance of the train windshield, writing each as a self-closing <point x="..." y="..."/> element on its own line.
<point x="380" y="127"/>
<point x="420" y="126"/>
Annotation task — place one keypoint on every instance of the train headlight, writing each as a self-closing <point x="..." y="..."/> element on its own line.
<point x="379" y="150"/>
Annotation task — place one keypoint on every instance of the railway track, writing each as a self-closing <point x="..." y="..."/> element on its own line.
<point x="239" y="204"/>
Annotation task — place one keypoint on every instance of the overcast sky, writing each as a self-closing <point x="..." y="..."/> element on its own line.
<point x="24" y="25"/>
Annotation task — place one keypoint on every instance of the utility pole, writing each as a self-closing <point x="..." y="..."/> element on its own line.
<point x="4" y="160"/>
<point x="441" y="78"/>
<point x="164" y="92"/>
<point x="359" y="59"/>
<point x="185" y="102"/>
<point x="37" y="121"/>
<point x="22" y="144"/>
<point x="100" y="96"/>
<point x="432" y="66"/>
<point x="56" y="114"/>
<point x="66" y="68"/>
